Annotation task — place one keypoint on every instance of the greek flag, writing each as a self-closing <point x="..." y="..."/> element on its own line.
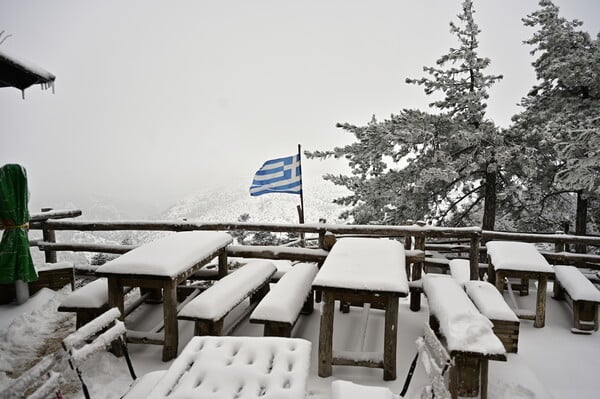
<point x="281" y="175"/>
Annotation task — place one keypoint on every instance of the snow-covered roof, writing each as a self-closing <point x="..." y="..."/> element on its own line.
<point x="168" y="256"/>
<point x="372" y="264"/>
<point x="17" y="73"/>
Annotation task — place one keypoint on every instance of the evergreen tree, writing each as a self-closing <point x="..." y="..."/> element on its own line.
<point x="561" y="111"/>
<point x="442" y="165"/>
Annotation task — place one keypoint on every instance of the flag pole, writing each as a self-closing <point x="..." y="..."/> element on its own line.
<point x="301" y="207"/>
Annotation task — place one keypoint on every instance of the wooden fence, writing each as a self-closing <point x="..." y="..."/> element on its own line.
<point x="464" y="242"/>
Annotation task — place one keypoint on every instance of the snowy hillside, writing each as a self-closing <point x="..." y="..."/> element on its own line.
<point x="214" y="204"/>
<point x="227" y="203"/>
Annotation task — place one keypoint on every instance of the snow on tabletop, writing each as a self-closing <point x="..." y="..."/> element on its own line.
<point x="460" y="269"/>
<point x="372" y="264"/>
<point x="522" y="256"/>
<point x="489" y="301"/>
<point x="576" y="284"/>
<point x="91" y="295"/>
<point x="464" y="328"/>
<point x="285" y="299"/>
<point x="348" y="390"/>
<point x="238" y="367"/>
<point x="170" y="255"/>
<point x="218" y="299"/>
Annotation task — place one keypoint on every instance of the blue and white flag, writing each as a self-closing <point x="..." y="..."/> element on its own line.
<point x="281" y="175"/>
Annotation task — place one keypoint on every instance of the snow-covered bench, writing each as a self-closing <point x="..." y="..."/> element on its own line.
<point x="465" y="332"/>
<point x="209" y="309"/>
<point x="510" y="259"/>
<point x="460" y="270"/>
<point x="492" y="305"/>
<point x="90" y="301"/>
<point x="281" y="307"/>
<point x="583" y="297"/>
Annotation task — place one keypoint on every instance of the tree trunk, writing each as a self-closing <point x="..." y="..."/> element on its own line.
<point x="581" y="220"/>
<point x="489" y="208"/>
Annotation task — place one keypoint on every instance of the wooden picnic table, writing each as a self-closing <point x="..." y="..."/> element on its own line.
<point x="362" y="270"/>
<point x="508" y="259"/>
<point x="162" y="265"/>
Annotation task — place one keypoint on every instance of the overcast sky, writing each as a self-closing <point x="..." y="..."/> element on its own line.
<point x="157" y="99"/>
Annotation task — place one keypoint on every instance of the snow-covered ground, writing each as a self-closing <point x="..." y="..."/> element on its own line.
<point x="551" y="363"/>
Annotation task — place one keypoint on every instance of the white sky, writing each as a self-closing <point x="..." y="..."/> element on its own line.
<point x="157" y="99"/>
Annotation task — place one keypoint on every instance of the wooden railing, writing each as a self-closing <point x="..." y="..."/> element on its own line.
<point x="417" y="238"/>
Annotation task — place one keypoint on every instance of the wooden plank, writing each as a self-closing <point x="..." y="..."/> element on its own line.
<point x="346" y="361"/>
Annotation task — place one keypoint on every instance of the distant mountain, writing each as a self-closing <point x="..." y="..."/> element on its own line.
<point x="226" y="204"/>
<point x="214" y="204"/>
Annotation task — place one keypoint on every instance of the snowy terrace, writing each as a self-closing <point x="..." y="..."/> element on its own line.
<point x="551" y="362"/>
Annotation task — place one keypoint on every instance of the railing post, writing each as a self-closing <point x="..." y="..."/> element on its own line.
<point x="49" y="236"/>
<point x="417" y="271"/>
<point x="559" y="246"/>
<point x="474" y="257"/>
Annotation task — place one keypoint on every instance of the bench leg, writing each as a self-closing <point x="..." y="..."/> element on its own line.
<point x="557" y="290"/>
<point x="208" y="327"/>
<point x="540" y="306"/>
<point x="390" y="338"/>
<point x="585" y="315"/>
<point x="309" y="304"/>
<point x="171" y="330"/>
<point x="467" y="373"/>
<point x="326" y="336"/>
<point x="223" y="265"/>
<point x="272" y="330"/>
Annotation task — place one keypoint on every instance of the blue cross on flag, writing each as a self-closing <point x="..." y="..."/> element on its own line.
<point x="281" y="175"/>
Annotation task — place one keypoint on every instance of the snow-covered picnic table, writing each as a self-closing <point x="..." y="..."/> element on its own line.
<point x="362" y="270"/>
<point x="522" y="260"/>
<point x="235" y="367"/>
<point x="162" y="264"/>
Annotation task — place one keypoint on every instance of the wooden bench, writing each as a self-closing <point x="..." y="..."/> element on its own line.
<point x="465" y="332"/>
<point x="509" y="259"/>
<point x="281" y="307"/>
<point x="582" y="296"/>
<point x="209" y="309"/>
<point x="492" y="305"/>
<point x="90" y="301"/>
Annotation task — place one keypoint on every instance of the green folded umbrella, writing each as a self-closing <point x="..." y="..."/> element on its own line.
<point x="15" y="258"/>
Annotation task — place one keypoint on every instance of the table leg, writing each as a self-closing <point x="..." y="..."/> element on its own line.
<point x="222" y="264"/>
<point x="171" y="330"/>
<point x="390" y="338"/>
<point x="116" y="299"/>
<point x="326" y="336"/>
<point x="540" y="307"/>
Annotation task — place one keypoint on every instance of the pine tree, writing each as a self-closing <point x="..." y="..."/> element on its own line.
<point x="442" y="165"/>
<point x="561" y="110"/>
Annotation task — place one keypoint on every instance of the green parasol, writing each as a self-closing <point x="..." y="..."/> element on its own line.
<point x="15" y="258"/>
